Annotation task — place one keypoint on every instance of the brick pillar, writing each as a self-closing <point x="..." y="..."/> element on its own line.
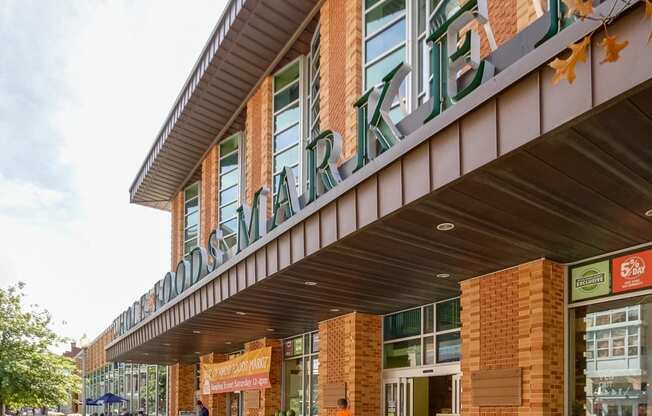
<point x="182" y="388"/>
<point x="216" y="403"/>
<point x="340" y="70"/>
<point x="258" y="141"/>
<point x="270" y="399"/>
<point x="176" y="214"/>
<point x="208" y="195"/>
<point x="515" y="319"/>
<point x="350" y="353"/>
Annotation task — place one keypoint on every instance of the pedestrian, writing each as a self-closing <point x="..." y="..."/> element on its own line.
<point x="203" y="411"/>
<point x="343" y="408"/>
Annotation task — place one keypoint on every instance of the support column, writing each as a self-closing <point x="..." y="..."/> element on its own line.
<point x="182" y="388"/>
<point x="270" y="399"/>
<point x="515" y="319"/>
<point x="350" y="352"/>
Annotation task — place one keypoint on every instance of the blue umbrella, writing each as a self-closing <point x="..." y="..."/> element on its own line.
<point x="91" y="402"/>
<point x="111" y="398"/>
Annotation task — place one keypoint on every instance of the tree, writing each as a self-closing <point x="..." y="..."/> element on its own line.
<point x="583" y="9"/>
<point x="30" y="374"/>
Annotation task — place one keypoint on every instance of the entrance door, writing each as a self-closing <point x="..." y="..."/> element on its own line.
<point x="422" y="396"/>
<point x="397" y="395"/>
<point x="234" y="403"/>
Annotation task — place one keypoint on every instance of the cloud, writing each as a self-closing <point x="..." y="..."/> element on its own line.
<point x="83" y="92"/>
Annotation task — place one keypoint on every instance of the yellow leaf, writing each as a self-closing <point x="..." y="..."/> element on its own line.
<point x="583" y="8"/>
<point x="565" y="68"/>
<point x="612" y="48"/>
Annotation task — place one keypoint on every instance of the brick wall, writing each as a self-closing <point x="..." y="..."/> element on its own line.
<point x="182" y="388"/>
<point x="95" y="356"/>
<point x="270" y="399"/>
<point x="208" y="195"/>
<point x="515" y="318"/>
<point x="341" y="68"/>
<point x="258" y="139"/>
<point x="525" y="13"/>
<point x="176" y="216"/>
<point x="350" y="353"/>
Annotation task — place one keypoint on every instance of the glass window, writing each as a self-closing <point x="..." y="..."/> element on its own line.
<point x="301" y="372"/>
<point x="152" y="382"/>
<point x="229" y="197"/>
<point x="142" y="402"/>
<point x="402" y="324"/>
<point x="611" y="372"/>
<point x="162" y="391"/>
<point x="448" y="315"/>
<point x="448" y="347"/>
<point x="285" y="139"/>
<point x="191" y="218"/>
<point x="402" y="354"/>
<point x="428" y="319"/>
<point x="429" y="350"/>
<point x="294" y="385"/>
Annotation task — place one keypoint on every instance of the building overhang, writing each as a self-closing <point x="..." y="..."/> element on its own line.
<point x="523" y="168"/>
<point x="249" y="39"/>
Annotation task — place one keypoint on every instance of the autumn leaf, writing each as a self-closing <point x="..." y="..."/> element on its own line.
<point x="583" y="8"/>
<point x="612" y="48"/>
<point x="565" y="68"/>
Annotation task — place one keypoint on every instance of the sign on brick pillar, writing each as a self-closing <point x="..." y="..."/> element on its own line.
<point x="216" y="403"/>
<point x="350" y="354"/>
<point x="514" y="319"/>
<point x="270" y="399"/>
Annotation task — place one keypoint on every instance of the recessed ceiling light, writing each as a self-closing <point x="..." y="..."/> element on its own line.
<point x="197" y="352"/>
<point x="227" y="342"/>
<point x="166" y="344"/>
<point x="443" y="275"/>
<point x="445" y="226"/>
<point x="196" y="332"/>
<point x="648" y="213"/>
<point x="335" y="310"/>
<point x="270" y="330"/>
<point x="145" y="353"/>
<point x="240" y="313"/>
<point x="309" y="283"/>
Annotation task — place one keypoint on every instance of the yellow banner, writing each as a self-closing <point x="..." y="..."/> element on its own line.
<point x="249" y="371"/>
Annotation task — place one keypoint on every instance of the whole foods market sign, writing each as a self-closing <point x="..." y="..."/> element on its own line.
<point x="377" y="132"/>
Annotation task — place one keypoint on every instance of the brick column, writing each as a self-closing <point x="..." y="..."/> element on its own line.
<point x="176" y="216"/>
<point x="258" y="139"/>
<point x="208" y="195"/>
<point x="350" y="353"/>
<point x="216" y="403"/>
<point x="340" y="70"/>
<point x="270" y="399"/>
<point x="515" y="318"/>
<point x="182" y="388"/>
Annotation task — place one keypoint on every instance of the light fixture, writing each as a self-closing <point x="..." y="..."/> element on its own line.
<point x="309" y="283"/>
<point x="240" y="313"/>
<point x="270" y="330"/>
<point x="648" y="213"/>
<point x="445" y="226"/>
<point x="145" y="353"/>
<point x="335" y="310"/>
<point x="166" y="344"/>
<point x="443" y="275"/>
<point x="196" y="332"/>
<point x="227" y="342"/>
<point x="197" y="352"/>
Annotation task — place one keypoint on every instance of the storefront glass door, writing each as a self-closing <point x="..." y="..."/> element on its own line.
<point x="398" y="397"/>
<point x="422" y="396"/>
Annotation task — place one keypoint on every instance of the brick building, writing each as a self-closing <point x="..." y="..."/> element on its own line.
<point x="390" y="201"/>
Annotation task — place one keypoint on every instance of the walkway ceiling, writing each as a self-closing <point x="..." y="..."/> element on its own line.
<point x="249" y="39"/>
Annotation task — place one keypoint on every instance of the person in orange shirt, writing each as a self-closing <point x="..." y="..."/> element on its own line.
<point x="343" y="408"/>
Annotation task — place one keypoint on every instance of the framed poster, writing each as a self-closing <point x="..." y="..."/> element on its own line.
<point x="632" y="271"/>
<point x="590" y="281"/>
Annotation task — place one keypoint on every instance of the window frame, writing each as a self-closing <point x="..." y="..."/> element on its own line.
<point x="307" y="356"/>
<point x="186" y="215"/>
<point x="238" y="137"/>
<point x="302" y="123"/>
<point x="422" y="337"/>
<point x="414" y="55"/>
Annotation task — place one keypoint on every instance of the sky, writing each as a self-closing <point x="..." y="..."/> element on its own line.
<point x="84" y="89"/>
